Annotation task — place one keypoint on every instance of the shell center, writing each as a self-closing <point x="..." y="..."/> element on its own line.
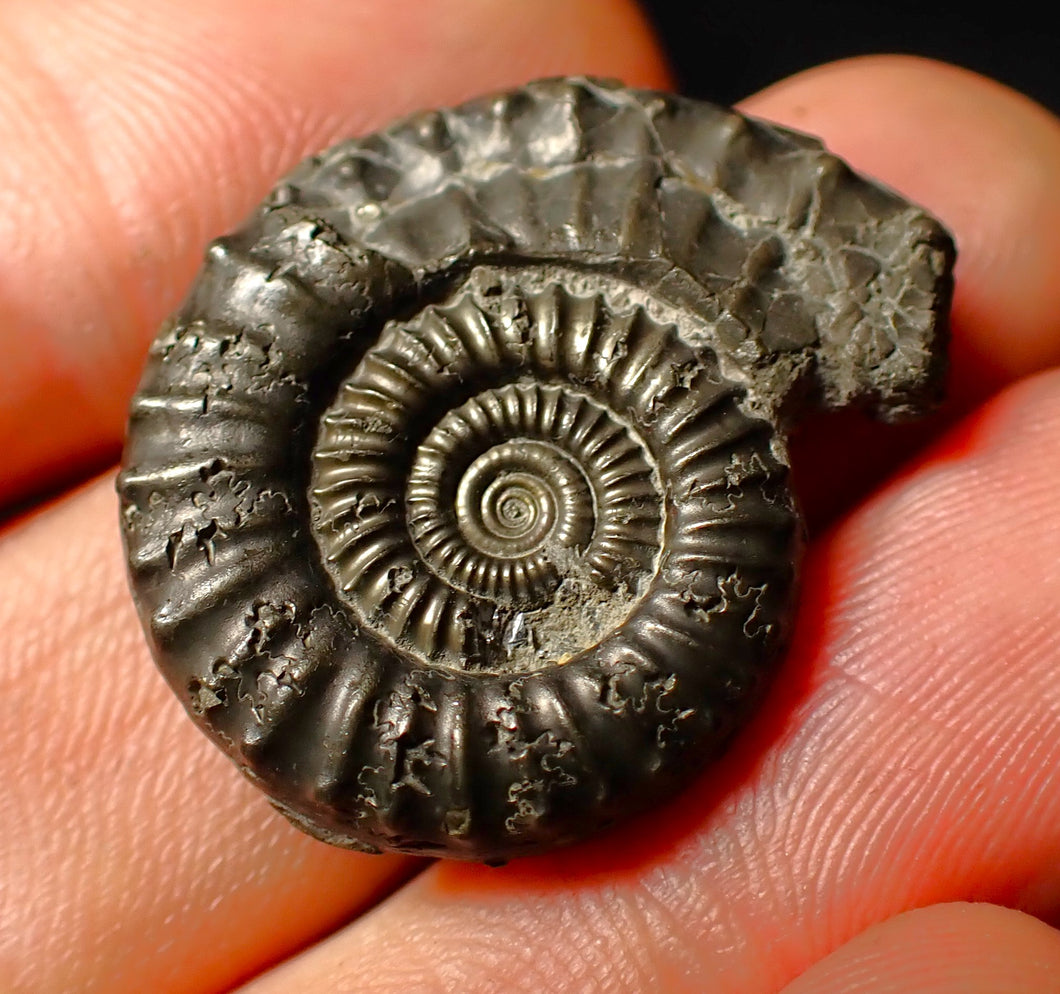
<point x="520" y="496"/>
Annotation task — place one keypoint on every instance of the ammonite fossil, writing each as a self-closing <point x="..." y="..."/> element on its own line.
<point x="455" y="495"/>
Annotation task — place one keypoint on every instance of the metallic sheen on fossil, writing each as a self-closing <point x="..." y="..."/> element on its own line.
<point x="455" y="494"/>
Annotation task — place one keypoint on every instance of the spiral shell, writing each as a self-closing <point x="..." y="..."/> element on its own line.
<point x="455" y="495"/>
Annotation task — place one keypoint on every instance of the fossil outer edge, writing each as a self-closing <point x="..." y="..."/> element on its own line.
<point x="455" y="495"/>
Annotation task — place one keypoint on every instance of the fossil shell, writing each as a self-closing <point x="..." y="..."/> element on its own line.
<point x="455" y="495"/>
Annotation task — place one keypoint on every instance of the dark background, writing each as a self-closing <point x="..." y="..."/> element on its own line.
<point x="723" y="50"/>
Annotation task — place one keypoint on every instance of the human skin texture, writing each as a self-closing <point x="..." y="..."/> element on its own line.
<point x="905" y="760"/>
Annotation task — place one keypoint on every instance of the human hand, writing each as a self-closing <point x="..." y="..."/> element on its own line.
<point x="905" y="758"/>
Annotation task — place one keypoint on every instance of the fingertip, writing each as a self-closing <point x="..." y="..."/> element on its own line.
<point x="942" y="949"/>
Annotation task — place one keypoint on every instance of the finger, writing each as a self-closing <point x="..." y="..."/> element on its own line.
<point x="135" y="857"/>
<point x="906" y="757"/>
<point x="983" y="159"/>
<point x="943" y="949"/>
<point x="138" y="860"/>
<point x="136" y="131"/>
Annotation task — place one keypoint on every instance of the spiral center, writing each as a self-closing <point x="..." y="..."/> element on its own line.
<point x="510" y="507"/>
<point x="506" y="505"/>
<point x="517" y="510"/>
<point x="497" y="518"/>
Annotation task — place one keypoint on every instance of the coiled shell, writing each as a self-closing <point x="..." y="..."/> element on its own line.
<point x="455" y="494"/>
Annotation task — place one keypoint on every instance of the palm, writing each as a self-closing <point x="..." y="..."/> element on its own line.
<point x="906" y="757"/>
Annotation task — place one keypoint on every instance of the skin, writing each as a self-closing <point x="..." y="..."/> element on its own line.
<point x="889" y="822"/>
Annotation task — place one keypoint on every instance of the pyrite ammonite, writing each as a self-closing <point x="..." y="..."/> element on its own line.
<point x="455" y="494"/>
